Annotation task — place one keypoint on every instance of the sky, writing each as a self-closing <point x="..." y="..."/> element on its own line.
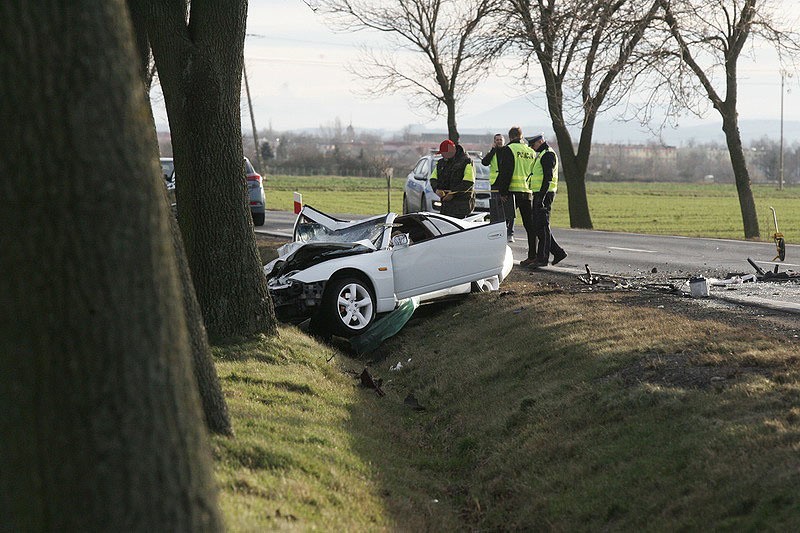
<point x="298" y="76"/>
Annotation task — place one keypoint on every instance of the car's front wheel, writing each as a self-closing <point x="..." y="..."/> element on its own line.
<point x="348" y="306"/>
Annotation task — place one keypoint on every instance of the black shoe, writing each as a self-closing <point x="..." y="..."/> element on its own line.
<point x="527" y="262"/>
<point x="557" y="258"/>
<point x="535" y="263"/>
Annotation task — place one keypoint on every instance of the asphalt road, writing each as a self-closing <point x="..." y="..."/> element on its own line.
<point x="634" y="255"/>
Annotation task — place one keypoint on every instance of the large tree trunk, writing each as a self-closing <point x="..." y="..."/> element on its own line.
<point x="730" y="125"/>
<point x="101" y="424"/>
<point x="573" y="165"/>
<point x="215" y="409"/>
<point x="200" y="72"/>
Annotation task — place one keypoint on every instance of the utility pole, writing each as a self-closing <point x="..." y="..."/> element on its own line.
<point x="780" y="171"/>
<point x="253" y="119"/>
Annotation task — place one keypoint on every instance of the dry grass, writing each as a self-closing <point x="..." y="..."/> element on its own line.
<point x="545" y="408"/>
<point x="554" y="408"/>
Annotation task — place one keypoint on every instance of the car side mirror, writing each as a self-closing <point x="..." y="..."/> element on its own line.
<point x="401" y="240"/>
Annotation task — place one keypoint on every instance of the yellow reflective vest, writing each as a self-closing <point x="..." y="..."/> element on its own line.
<point x="524" y="157"/>
<point x="537" y="173"/>
<point x="493" y="169"/>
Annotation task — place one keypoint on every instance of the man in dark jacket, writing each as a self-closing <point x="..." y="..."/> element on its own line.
<point x="499" y="208"/>
<point x="515" y="163"/>
<point x="453" y="179"/>
<point x="544" y="184"/>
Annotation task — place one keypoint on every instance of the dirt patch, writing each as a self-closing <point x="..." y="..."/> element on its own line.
<point x="679" y="370"/>
<point x="687" y="369"/>
<point x="656" y="293"/>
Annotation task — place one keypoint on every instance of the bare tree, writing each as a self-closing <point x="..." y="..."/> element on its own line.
<point x="583" y="48"/>
<point x="709" y="37"/>
<point x="101" y="426"/>
<point x="198" y="50"/>
<point x="449" y="51"/>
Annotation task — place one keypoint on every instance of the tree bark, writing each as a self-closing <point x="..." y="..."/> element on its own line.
<point x="452" y="129"/>
<point x="200" y="68"/>
<point x="573" y="164"/>
<point x="101" y="417"/>
<point x="215" y="409"/>
<point x="733" y="138"/>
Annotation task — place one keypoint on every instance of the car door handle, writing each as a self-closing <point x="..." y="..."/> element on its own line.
<point x="496" y="235"/>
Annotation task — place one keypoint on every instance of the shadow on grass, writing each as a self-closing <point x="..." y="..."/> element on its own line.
<point x="542" y="411"/>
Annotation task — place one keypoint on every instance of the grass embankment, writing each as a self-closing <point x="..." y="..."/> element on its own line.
<point x="545" y="408"/>
<point x="695" y="210"/>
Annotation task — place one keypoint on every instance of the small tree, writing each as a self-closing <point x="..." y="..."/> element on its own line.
<point x="266" y="151"/>
<point x="445" y="36"/>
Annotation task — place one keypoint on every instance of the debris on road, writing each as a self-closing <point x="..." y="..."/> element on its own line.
<point x="604" y="281"/>
<point x="696" y="286"/>
<point x="774" y="274"/>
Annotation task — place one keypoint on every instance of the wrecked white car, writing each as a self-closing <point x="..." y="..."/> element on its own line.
<point x="342" y="274"/>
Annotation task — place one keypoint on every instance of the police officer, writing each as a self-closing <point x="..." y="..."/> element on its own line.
<point x="544" y="184"/>
<point x="514" y="165"/>
<point x="453" y="179"/>
<point x="507" y="208"/>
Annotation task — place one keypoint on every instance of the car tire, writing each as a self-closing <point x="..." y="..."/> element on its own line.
<point x="348" y="307"/>
<point x="258" y="219"/>
<point x="405" y="205"/>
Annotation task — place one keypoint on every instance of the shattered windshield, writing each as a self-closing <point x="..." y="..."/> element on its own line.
<point x="370" y="230"/>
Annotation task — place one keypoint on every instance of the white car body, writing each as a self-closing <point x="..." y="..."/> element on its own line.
<point x="387" y="258"/>
<point x="418" y="195"/>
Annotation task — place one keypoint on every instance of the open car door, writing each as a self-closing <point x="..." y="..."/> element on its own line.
<point x="449" y="260"/>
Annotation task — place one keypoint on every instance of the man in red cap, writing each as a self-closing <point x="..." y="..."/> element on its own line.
<point x="453" y="179"/>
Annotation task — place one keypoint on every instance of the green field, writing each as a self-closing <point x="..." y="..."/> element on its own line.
<point x="696" y="210"/>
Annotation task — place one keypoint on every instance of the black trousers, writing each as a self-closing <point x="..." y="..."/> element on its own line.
<point x="546" y="244"/>
<point x="524" y="201"/>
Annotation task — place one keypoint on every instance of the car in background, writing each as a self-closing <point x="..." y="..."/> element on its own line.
<point x="168" y="171"/>
<point x="343" y="274"/>
<point x="255" y="193"/>
<point x="255" y="187"/>
<point x="418" y="195"/>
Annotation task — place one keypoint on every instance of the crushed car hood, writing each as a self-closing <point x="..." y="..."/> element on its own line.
<point x="310" y="254"/>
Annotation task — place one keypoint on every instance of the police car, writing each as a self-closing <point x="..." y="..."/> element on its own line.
<point x="418" y="195"/>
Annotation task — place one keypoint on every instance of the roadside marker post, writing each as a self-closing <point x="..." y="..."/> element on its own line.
<point x="298" y="203"/>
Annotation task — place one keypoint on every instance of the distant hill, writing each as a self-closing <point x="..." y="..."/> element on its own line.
<point x="531" y="118"/>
